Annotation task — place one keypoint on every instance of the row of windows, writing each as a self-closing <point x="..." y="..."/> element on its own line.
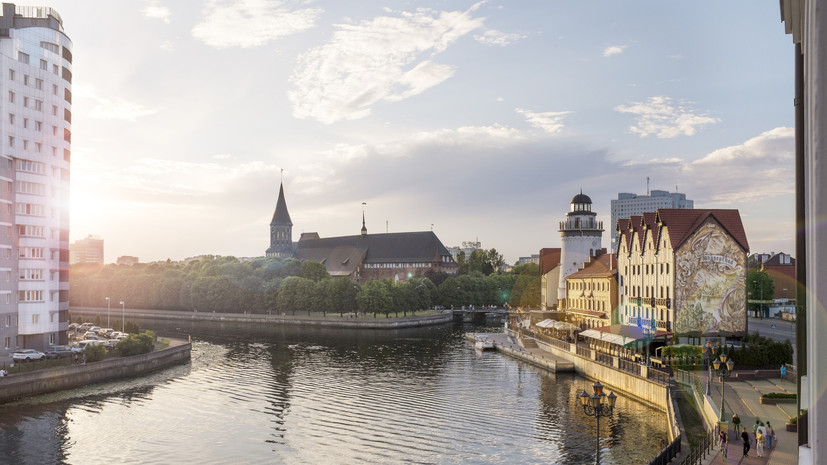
<point x="38" y="147"/>
<point x="588" y="285"/>
<point x="32" y="274"/>
<point x="587" y="304"/>
<point x="38" y="125"/>
<point x="33" y="209"/>
<point x="38" y="84"/>
<point x="30" y="296"/>
<point x="34" y="188"/>
<point x="397" y="265"/>
<point x="44" y="65"/>
<point x="635" y="291"/>
<point x="33" y="231"/>
<point x="647" y="269"/>
<point x="37" y="104"/>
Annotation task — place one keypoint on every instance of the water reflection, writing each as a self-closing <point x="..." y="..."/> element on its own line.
<point x="313" y="395"/>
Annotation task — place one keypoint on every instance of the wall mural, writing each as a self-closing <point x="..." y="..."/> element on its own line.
<point x="710" y="283"/>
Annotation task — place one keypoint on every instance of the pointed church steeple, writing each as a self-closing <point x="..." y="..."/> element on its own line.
<point x="281" y="229"/>
<point x="364" y="228"/>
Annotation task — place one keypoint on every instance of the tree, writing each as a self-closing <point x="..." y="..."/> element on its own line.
<point x="375" y="298"/>
<point x="136" y="344"/>
<point x="94" y="352"/>
<point x="314" y="271"/>
<point x="485" y="261"/>
<point x="760" y="286"/>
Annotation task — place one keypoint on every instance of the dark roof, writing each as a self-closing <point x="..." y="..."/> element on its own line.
<point x="281" y="215"/>
<point x="581" y="198"/>
<point x="341" y="255"/>
<point x="549" y="259"/>
<point x="602" y="266"/>
<point x="775" y="260"/>
<point x="683" y="222"/>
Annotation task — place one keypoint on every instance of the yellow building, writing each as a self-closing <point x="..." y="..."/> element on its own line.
<point x="591" y="292"/>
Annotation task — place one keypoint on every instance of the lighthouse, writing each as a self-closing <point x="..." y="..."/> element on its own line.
<point x="581" y="237"/>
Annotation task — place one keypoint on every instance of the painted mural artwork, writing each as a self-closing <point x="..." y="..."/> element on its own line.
<point x="710" y="283"/>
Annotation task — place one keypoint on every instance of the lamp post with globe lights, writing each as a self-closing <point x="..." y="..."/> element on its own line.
<point x="598" y="405"/>
<point x="723" y="368"/>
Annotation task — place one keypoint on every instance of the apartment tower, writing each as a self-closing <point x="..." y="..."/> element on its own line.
<point x="36" y="115"/>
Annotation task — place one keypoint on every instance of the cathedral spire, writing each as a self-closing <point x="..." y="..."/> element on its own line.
<point x="364" y="228"/>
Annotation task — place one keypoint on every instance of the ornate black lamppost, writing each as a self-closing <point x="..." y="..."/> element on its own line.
<point x="708" y="352"/>
<point x="723" y="368"/>
<point x="598" y="405"/>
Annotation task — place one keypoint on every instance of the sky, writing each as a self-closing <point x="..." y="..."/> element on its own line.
<point x="479" y="119"/>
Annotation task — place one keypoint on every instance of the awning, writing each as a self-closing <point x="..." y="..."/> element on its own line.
<point x="622" y="334"/>
<point x="547" y="323"/>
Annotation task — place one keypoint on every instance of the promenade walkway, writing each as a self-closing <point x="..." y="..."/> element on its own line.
<point x="743" y="398"/>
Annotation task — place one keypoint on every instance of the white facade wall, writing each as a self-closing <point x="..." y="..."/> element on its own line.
<point x="35" y="144"/>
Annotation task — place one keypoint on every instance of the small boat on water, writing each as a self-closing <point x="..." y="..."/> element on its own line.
<point x="484" y="342"/>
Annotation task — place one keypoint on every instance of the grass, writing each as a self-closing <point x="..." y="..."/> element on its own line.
<point x="161" y="343"/>
<point x="693" y="423"/>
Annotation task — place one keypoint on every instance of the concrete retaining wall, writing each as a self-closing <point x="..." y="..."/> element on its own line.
<point x="261" y="319"/>
<point x="55" y="379"/>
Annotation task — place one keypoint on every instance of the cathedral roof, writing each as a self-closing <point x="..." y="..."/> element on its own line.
<point x="281" y="215"/>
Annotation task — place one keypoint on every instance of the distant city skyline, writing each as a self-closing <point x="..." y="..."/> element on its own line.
<point x="481" y="118"/>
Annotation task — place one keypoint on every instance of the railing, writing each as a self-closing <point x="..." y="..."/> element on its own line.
<point x="658" y="376"/>
<point x="584" y="351"/>
<point x="605" y="359"/>
<point x="698" y="453"/>
<point x="668" y="453"/>
<point x="663" y="302"/>
<point x="629" y="367"/>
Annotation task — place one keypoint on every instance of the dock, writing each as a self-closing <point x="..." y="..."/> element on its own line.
<point x="531" y="355"/>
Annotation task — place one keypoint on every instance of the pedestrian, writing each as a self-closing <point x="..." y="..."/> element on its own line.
<point x="783" y="371"/>
<point x="83" y="360"/>
<point x="723" y="439"/>
<point x="736" y="421"/>
<point x="759" y="443"/>
<point x="745" y="439"/>
<point x="770" y="436"/>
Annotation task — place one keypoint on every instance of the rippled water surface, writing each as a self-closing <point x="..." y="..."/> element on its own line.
<point x="310" y="396"/>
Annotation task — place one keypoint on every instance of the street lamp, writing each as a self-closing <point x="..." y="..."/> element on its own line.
<point x="598" y="405"/>
<point x="123" y="316"/>
<point x="723" y="368"/>
<point x="108" y="308"/>
<point x="708" y="352"/>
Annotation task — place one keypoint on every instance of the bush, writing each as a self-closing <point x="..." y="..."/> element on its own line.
<point x="779" y="395"/>
<point x="94" y="352"/>
<point x="136" y="344"/>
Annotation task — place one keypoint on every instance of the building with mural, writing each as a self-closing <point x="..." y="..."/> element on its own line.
<point x="683" y="271"/>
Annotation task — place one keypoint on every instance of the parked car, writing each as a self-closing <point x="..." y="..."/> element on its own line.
<point x="95" y="329"/>
<point x="58" y="352"/>
<point x="83" y="344"/>
<point x="90" y="335"/>
<point x="106" y="332"/>
<point x="73" y="326"/>
<point x="87" y="326"/>
<point x="27" y="355"/>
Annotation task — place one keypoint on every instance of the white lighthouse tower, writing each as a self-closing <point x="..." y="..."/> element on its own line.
<point x="581" y="236"/>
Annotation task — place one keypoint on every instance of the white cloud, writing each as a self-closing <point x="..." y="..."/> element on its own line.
<point x="494" y="37"/>
<point x="154" y="9"/>
<point x="549" y="121"/>
<point x="387" y="58"/>
<point x="167" y="46"/>
<point x="251" y="23"/>
<point x="613" y="50"/>
<point x="660" y="117"/>
<point x="114" y="108"/>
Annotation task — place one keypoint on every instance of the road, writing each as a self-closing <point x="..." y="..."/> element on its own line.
<point x="783" y="329"/>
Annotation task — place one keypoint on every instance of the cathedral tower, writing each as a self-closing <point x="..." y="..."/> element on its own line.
<point x="281" y="230"/>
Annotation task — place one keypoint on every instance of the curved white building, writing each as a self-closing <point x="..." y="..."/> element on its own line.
<point x="580" y="236"/>
<point x="35" y="136"/>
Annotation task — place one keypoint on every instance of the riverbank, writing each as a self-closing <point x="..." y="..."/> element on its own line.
<point x="427" y="318"/>
<point x="534" y="356"/>
<point x="37" y="382"/>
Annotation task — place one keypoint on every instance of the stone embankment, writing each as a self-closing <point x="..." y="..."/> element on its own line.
<point x="254" y="319"/>
<point x="44" y="381"/>
<point x="534" y="356"/>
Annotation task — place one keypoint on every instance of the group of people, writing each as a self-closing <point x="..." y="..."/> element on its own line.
<point x="764" y="436"/>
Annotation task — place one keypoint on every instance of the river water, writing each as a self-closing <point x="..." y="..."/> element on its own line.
<point x="314" y="396"/>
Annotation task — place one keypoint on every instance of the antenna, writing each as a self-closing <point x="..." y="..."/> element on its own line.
<point x="386" y="226"/>
<point x="282" y="176"/>
<point x="432" y="227"/>
<point x="647" y="185"/>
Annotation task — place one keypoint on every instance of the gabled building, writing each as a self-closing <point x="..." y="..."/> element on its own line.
<point x="591" y="292"/>
<point x="683" y="271"/>
<point x="549" y="277"/>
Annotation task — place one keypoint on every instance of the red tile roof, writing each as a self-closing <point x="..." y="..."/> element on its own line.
<point x="549" y="259"/>
<point x="604" y="266"/>
<point x="683" y="222"/>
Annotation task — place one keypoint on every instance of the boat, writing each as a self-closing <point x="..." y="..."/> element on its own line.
<point x="484" y="342"/>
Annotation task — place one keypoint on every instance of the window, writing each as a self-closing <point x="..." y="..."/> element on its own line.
<point x="35" y="319"/>
<point x="38" y="147"/>
<point x="26" y="102"/>
<point x="38" y="84"/>
<point x="25" y="123"/>
<point x="52" y="336"/>
<point x="11" y="97"/>
<point x="44" y="65"/>
<point x="38" y="105"/>
<point x="35" y="188"/>
<point x="54" y="89"/>
<point x="25" y="144"/>
<point x="11" y="74"/>
<point x="54" y="130"/>
<point x="11" y="141"/>
<point x="31" y="274"/>
<point x="30" y="166"/>
<point x="11" y="118"/>
<point x="38" y="125"/>
<point x="55" y="70"/>
<point x="23" y="57"/>
<point x="25" y="79"/>
<point x="30" y="296"/>
<point x="33" y="209"/>
<point x="54" y="110"/>
<point x="31" y="252"/>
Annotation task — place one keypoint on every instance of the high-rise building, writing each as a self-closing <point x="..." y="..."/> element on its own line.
<point x="627" y="205"/>
<point x="35" y="136"/>
<point x="89" y="250"/>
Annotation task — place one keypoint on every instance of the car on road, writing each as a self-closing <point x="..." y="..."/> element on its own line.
<point x="58" y="352"/>
<point x="90" y="335"/>
<point x="84" y="344"/>
<point x="27" y="355"/>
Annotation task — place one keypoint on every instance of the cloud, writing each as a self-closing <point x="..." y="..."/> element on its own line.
<point x="613" y="50"/>
<point x="550" y="121"/>
<point x="154" y="9"/>
<point x="659" y="117"/>
<point x="763" y="165"/>
<point x="494" y="37"/>
<point x="251" y="23"/>
<point x="388" y="58"/>
<point x="118" y="109"/>
<point x="167" y="46"/>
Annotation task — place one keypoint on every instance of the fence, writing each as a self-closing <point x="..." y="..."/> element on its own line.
<point x="630" y="367"/>
<point x="698" y="453"/>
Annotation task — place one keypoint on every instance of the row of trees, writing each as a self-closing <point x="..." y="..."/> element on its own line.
<point x="271" y="285"/>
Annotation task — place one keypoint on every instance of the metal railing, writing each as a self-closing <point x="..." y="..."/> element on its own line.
<point x="658" y="376"/>
<point x="584" y="351"/>
<point x="629" y="366"/>
<point x="699" y="453"/>
<point x="668" y="453"/>
<point x="605" y="359"/>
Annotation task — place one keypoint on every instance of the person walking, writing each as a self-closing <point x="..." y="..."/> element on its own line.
<point x="759" y="443"/>
<point x="745" y="439"/>
<point x="770" y="436"/>
<point x="722" y="438"/>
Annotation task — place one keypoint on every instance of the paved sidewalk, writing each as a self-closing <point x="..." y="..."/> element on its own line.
<point x="743" y="398"/>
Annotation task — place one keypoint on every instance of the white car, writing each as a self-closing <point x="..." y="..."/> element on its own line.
<point x="83" y="344"/>
<point x="27" y="355"/>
